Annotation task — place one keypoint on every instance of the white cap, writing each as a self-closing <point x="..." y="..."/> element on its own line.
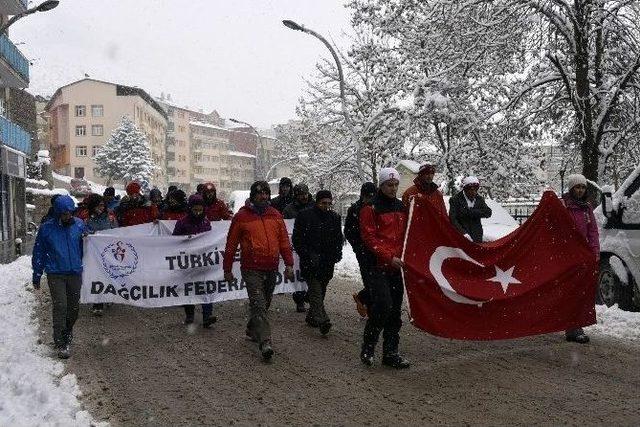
<point x="470" y="180"/>
<point x="576" y="179"/>
<point x="386" y="174"/>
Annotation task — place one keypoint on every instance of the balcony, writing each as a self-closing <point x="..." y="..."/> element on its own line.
<point x="14" y="67"/>
<point x="13" y="7"/>
<point x="14" y="136"/>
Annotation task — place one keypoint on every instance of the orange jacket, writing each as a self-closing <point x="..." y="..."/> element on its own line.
<point x="432" y="194"/>
<point x="262" y="238"/>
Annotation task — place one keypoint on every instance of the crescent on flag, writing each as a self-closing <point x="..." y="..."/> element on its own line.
<point x="438" y="258"/>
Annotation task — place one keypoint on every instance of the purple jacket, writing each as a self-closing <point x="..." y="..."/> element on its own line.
<point x="585" y="222"/>
<point x="190" y="225"/>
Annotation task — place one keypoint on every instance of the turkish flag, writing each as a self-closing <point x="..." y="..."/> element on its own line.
<point x="541" y="278"/>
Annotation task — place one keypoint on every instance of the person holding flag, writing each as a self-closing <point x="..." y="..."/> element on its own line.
<point x="383" y="225"/>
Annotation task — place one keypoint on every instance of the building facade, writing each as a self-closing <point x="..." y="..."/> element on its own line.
<point x="82" y="116"/>
<point x="15" y="141"/>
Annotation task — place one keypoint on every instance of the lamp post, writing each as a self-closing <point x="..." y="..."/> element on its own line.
<point x="300" y="156"/>
<point x="261" y="157"/>
<point x="42" y="7"/>
<point x="297" y="27"/>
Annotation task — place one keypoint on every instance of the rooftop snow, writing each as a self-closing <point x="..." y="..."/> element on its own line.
<point x="208" y="125"/>
<point x="241" y="154"/>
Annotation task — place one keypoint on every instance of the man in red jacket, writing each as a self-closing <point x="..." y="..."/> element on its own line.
<point x="214" y="208"/>
<point x="135" y="209"/>
<point x="423" y="186"/>
<point x="382" y="226"/>
<point x="262" y="235"/>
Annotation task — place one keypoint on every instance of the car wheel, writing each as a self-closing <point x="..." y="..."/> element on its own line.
<point x="608" y="284"/>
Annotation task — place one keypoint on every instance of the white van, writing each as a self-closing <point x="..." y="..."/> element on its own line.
<point x="619" y="225"/>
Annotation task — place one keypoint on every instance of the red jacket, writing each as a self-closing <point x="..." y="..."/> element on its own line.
<point x="262" y="238"/>
<point x="135" y="213"/>
<point x="382" y="227"/>
<point x="217" y="211"/>
<point x="431" y="193"/>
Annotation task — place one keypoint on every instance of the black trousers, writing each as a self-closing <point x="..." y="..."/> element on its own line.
<point x="65" y="304"/>
<point x="386" y="291"/>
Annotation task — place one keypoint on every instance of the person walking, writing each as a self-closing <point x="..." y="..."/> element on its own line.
<point x="58" y="253"/>
<point x="424" y="187"/>
<point x="285" y="196"/>
<point x="215" y="209"/>
<point x="582" y="213"/>
<point x="366" y="259"/>
<point x="317" y="238"/>
<point x="261" y="233"/>
<point x="134" y="208"/>
<point x="467" y="208"/>
<point x="382" y="226"/>
<point x="302" y="200"/>
<point x="195" y="222"/>
<point x="175" y="206"/>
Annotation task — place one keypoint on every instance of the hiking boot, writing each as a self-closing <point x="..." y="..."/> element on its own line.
<point x="64" y="352"/>
<point x="366" y="356"/>
<point x="362" y="309"/>
<point x="325" y="328"/>
<point x="300" y="308"/>
<point x="309" y="321"/>
<point x="188" y="320"/>
<point x="579" y="337"/>
<point x="266" y="350"/>
<point x="206" y="323"/>
<point x="395" y="361"/>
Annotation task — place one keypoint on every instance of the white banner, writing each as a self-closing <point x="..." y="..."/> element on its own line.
<point x="146" y="266"/>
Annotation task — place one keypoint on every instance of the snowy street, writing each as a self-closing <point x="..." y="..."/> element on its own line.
<point x="140" y="367"/>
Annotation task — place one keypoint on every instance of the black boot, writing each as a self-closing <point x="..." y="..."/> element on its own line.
<point x="577" y="336"/>
<point x="395" y="361"/>
<point x="64" y="352"/>
<point x="367" y="353"/>
<point x="325" y="328"/>
<point x="266" y="350"/>
<point x="208" y="321"/>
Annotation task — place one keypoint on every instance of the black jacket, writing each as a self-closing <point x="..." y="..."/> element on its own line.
<point x="281" y="202"/>
<point x="466" y="219"/>
<point x="317" y="238"/>
<point x="293" y="209"/>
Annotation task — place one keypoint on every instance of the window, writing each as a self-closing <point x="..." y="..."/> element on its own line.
<point x="182" y="129"/>
<point x="81" y="130"/>
<point x="81" y="111"/>
<point x="81" y="151"/>
<point x="97" y="130"/>
<point x="97" y="110"/>
<point x="170" y="127"/>
<point x="78" y="173"/>
<point x="94" y="150"/>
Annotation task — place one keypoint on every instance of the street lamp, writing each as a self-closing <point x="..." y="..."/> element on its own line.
<point x="300" y="156"/>
<point x="261" y="158"/>
<point x="297" y="27"/>
<point x="42" y="7"/>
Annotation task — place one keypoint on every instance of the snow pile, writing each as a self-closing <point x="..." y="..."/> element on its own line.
<point x="348" y="267"/>
<point x="40" y="182"/>
<point x="32" y="387"/>
<point x="616" y="323"/>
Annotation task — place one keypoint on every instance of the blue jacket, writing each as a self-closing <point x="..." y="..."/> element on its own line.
<point x="104" y="221"/>
<point x="58" y="248"/>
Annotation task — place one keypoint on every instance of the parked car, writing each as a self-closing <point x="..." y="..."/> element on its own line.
<point x="618" y="219"/>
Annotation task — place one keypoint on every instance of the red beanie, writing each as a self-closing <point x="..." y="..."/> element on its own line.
<point x="133" y="188"/>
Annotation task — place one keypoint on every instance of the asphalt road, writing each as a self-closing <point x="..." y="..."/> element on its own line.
<point x="144" y="367"/>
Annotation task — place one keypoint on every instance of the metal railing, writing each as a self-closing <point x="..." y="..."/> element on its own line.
<point x="14" y="136"/>
<point x="12" y="55"/>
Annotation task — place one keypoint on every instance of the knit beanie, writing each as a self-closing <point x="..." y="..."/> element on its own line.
<point x="300" y="189"/>
<point x="576" y="179"/>
<point x="257" y="187"/>
<point x="195" y="199"/>
<point x="427" y="168"/>
<point x="109" y="191"/>
<point x="470" y="181"/>
<point x="286" y="181"/>
<point x="323" y="194"/>
<point x="387" y="174"/>
<point x="133" y="188"/>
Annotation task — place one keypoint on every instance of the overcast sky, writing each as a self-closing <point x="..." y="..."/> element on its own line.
<point x="232" y="56"/>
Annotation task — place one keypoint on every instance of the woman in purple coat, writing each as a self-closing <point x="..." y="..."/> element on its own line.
<point x="193" y="223"/>
<point x="582" y="213"/>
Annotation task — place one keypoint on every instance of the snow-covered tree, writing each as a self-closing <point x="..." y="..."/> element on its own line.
<point x="126" y="156"/>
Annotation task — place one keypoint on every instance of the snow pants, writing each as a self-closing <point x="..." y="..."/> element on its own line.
<point x="260" y="286"/>
<point x="386" y="291"/>
<point x="65" y="304"/>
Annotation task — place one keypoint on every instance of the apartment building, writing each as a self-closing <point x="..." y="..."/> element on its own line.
<point x="15" y="141"/>
<point x="82" y="116"/>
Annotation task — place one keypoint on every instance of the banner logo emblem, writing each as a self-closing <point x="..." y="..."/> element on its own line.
<point x="119" y="259"/>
